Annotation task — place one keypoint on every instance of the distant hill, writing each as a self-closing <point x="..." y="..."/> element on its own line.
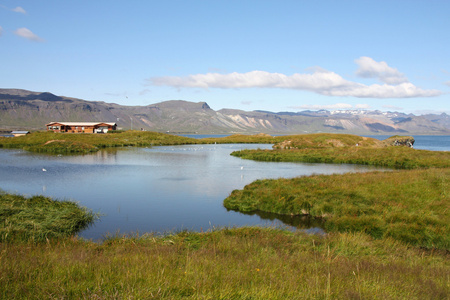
<point x="22" y="109"/>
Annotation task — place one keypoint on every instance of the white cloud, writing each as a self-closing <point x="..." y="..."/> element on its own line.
<point x="446" y="83"/>
<point x="1" y="30"/>
<point x="28" y="34"/>
<point x="369" y="68"/>
<point x="317" y="81"/>
<point x="19" y="9"/>
<point x="320" y="81"/>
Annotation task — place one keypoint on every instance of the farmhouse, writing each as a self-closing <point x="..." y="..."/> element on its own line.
<point x="80" y="127"/>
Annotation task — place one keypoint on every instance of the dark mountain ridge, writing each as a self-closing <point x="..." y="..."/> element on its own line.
<point x="22" y="109"/>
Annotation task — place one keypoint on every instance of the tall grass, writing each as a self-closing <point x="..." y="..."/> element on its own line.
<point x="39" y="218"/>
<point x="228" y="263"/>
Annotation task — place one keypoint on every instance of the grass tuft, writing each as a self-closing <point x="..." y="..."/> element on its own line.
<point x="39" y="218"/>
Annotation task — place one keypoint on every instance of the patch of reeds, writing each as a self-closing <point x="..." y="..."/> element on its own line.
<point x="39" y="218"/>
<point x="227" y="263"/>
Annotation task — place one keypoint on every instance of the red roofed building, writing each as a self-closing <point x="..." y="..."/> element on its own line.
<point x="80" y="127"/>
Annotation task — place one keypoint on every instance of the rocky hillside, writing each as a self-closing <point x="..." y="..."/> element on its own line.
<point x="21" y="109"/>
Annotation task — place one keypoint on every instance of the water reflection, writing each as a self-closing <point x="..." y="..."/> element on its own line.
<point x="298" y="222"/>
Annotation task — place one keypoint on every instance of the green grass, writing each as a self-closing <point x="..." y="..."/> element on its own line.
<point x="69" y="143"/>
<point x="408" y="206"/>
<point x="40" y="218"/>
<point x="228" y="263"/>
<point x="393" y="157"/>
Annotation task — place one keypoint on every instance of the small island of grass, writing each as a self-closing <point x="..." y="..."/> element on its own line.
<point x="40" y="218"/>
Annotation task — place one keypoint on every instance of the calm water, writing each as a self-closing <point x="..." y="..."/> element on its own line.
<point x="159" y="189"/>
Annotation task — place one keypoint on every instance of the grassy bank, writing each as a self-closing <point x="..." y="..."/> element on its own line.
<point x="393" y="157"/>
<point x="408" y="206"/>
<point x="244" y="263"/>
<point x="67" y="143"/>
<point x="39" y="218"/>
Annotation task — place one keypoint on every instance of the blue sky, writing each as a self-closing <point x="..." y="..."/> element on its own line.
<point x="250" y="55"/>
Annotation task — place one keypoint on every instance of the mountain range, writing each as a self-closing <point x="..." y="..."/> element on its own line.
<point x="27" y="110"/>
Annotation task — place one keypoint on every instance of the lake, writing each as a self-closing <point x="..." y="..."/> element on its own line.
<point x="158" y="189"/>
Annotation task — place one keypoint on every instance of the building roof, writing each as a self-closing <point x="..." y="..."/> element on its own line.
<point x="82" y="123"/>
<point x="20" y="132"/>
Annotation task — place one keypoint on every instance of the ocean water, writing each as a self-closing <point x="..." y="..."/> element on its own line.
<point x="426" y="142"/>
